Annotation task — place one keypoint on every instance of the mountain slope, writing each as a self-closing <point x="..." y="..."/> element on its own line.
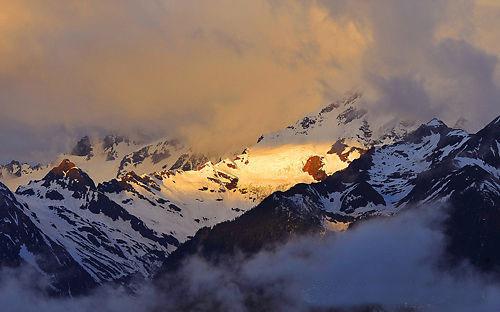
<point x="150" y="198"/>
<point x="346" y="120"/>
<point x="184" y="199"/>
<point x="16" y="173"/>
<point x="107" y="158"/>
<point x="22" y="242"/>
<point x="305" y="152"/>
<point x="107" y="241"/>
<point x="180" y="203"/>
<point x="432" y="165"/>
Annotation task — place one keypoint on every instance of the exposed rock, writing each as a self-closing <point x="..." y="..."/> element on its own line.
<point x="350" y="114"/>
<point x="83" y="147"/>
<point x="314" y="166"/>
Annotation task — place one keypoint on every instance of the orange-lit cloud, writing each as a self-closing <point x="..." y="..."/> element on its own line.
<point x="218" y="73"/>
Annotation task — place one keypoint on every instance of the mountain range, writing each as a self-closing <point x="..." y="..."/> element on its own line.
<point x="116" y="210"/>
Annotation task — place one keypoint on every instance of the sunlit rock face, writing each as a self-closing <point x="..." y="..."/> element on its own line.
<point x="110" y="157"/>
<point x="314" y="166"/>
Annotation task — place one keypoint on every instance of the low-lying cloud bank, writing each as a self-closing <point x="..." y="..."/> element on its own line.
<point x="391" y="263"/>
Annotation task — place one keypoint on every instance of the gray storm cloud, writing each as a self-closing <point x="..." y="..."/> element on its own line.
<point x="220" y="73"/>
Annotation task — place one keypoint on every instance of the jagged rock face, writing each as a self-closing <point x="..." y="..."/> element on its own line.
<point x="432" y="165"/>
<point x="343" y="120"/>
<point x="484" y="145"/>
<point x="111" y="140"/>
<point x="83" y="147"/>
<point x="14" y="168"/>
<point x="350" y="114"/>
<point x="150" y="198"/>
<point x="314" y="166"/>
<point x="188" y="162"/>
<point x="346" y="152"/>
<point x="471" y="181"/>
<point x="22" y="242"/>
<point x="68" y="176"/>
<point x="155" y="153"/>
<point x="110" y="143"/>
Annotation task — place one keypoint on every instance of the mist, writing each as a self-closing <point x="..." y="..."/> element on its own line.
<point x="391" y="263"/>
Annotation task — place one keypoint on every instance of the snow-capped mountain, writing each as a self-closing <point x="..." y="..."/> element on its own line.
<point x="108" y="242"/>
<point x="195" y="193"/>
<point x="307" y="151"/>
<point x="100" y="157"/>
<point x="107" y="158"/>
<point x="16" y="173"/>
<point x="126" y="227"/>
<point x="346" y="120"/>
<point x="119" y="208"/>
<point x="433" y="165"/>
<point x="180" y="203"/>
<point x="17" y="169"/>
<point x="23" y="242"/>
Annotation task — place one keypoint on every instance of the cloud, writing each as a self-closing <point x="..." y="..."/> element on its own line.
<point x="202" y="71"/>
<point x="220" y="73"/>
<point x="22" y="290"/>
<point x="427" y="58"/>
<point x="391" y="263"/>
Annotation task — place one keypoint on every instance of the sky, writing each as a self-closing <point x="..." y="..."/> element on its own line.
<point x="219" y="73"/>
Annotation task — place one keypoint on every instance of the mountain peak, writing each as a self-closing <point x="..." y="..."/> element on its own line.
<point x="495" y="123"/>
<point x="65" y="166"/>
<point x="435" y="123"/>
<point x="83" y="147"/>
<point x="67" y="169"/>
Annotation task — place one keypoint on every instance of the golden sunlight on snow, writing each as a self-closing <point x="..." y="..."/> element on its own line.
<point x="253" y="175"/>
<point x="280" y="167"/>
